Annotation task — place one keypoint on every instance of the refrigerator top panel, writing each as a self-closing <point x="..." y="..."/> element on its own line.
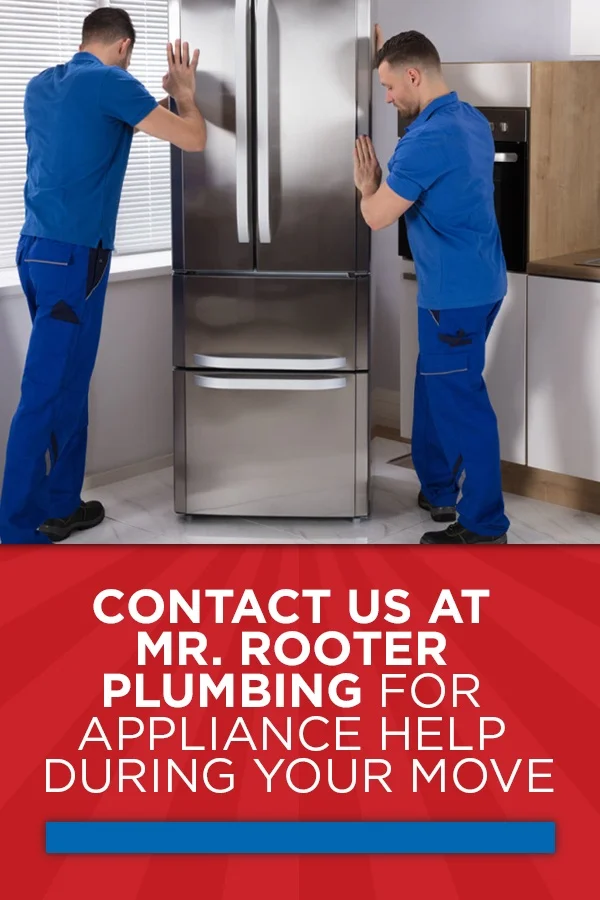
<point x="286" y="88"/>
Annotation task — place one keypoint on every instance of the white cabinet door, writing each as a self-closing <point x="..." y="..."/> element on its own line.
<point x="563" y="396"/>
<point x="504" y="371"/>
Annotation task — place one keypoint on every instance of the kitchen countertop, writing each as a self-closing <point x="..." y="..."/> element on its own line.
<point x="566" y="266"/>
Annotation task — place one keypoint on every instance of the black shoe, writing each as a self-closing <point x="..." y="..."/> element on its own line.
<point x="438" y="513"/>
<point x="88" y="515"/>
<point x="458" y="534"/>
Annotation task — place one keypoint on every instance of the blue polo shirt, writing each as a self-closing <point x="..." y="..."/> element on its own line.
<point x="445" y="164"/>
<point x="79" y="120"/>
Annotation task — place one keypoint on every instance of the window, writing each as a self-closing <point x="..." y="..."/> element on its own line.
<point x="36" y="34"/>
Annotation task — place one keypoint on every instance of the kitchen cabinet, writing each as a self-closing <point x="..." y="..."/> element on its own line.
<point x="505" y="365"/>
<point x="563" y="411"/>
<point x="585" y="28"/>
<point x="505" y="370"/>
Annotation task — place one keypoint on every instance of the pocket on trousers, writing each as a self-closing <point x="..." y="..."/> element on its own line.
<point x="97" y="265"/>
<point x="50" y="264"/>
<point x="435" y="364"/>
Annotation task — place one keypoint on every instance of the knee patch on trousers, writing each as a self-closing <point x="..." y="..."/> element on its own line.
<point x="64" y="313"/>
<point x="460" y="339"/>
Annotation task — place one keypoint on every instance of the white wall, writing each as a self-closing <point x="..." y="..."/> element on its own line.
<point x="131" y="405"/>
<point x="463" y="31"/>
<point x="130" y="398"/>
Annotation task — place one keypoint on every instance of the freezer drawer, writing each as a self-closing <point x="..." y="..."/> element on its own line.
<point x="295" y="324"/>
<point x="265" y="444"/>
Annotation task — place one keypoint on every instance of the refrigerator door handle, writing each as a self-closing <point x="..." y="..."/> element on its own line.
<point x="241" y="120"/>
<point x="241" y="383"/>
<point x="262" y="116"/>
<point x="277" y="363"/>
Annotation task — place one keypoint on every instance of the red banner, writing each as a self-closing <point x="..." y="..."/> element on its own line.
<point x="338" y="684"/>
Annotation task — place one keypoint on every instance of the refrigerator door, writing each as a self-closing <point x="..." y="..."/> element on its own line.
<point x="313" y="83"/>
<point x="265" y="444"/>
<point x="211" y="198"/>
<point x="271" y="323"/>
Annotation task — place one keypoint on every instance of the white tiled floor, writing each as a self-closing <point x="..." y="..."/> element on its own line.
<point x="140" y="511"/>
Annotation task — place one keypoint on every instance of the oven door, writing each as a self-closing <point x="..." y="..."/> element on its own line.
<point x="511" y="201"/>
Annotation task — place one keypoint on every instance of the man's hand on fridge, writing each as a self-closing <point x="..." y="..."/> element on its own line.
<point x="180" y="80"/>
<point x="367" y="171"/>
<point x="187" y="129"/>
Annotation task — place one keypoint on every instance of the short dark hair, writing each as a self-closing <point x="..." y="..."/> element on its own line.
<point x="409" y="47"/>
<point x="107" y="25"/>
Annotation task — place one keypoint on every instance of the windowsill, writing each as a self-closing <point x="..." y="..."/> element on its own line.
<point x="123" y="268"/>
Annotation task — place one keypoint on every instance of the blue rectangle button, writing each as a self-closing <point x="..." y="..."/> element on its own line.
<point x="300" y="837"/>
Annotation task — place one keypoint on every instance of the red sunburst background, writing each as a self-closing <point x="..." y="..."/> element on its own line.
<point x="535" y="652"/>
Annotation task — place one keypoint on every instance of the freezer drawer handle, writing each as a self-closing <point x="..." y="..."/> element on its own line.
<point x="304" y="364"/>
<point x="239" y="383"/>
<point x="262" y="121"/>
<point x="241" y="120"/>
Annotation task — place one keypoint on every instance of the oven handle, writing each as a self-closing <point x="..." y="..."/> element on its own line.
<point x="506" y="157"/>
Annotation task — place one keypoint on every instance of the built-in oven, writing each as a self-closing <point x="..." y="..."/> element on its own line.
<point x="510" y="128"/>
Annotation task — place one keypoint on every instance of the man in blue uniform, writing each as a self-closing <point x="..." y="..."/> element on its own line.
<point x="80" y="119"/>
<point x="441" y="179"/>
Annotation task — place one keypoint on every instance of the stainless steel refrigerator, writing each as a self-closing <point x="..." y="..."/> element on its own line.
<point x="271" y="262"/>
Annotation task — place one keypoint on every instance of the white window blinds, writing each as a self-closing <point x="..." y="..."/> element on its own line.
<point x="36" y="34"/>
<point x="144" y="222"/>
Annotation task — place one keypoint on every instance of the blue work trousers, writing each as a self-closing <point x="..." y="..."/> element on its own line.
<point x="65" y="287"/>
<point x="455" y="443"/>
